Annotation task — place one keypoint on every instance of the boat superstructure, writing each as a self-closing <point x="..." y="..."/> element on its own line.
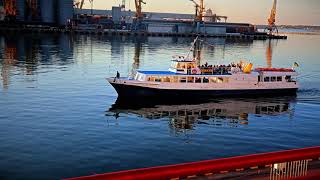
<point x="186" y="78"/>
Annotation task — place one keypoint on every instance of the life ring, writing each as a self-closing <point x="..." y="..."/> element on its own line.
<point x="194" y="71"/>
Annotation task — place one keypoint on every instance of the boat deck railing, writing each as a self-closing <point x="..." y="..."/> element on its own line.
<point x="212" y="71"/>
<point x="276" y="161"/>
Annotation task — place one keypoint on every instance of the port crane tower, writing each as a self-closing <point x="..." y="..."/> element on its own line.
<point x="272" y="19"/>
<point x="137" y="21"/>
<point x="79" y="3"/>
<point x="199" y="10"/>
<point x="138" y="4"/>
<point x="10" y="8"/>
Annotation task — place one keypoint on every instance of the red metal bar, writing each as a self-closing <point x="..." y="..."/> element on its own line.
<point x="209" y="166"/>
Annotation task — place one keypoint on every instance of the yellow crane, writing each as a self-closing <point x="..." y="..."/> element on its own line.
<point x="199" y="9"/>
<point x="79" y="3"/>
<point x="10" y="7"/>
<point x="272" y="19"/>
<point x="138" y="4"/>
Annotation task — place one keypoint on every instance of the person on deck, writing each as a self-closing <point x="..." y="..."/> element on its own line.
<point x="117" y="76"/>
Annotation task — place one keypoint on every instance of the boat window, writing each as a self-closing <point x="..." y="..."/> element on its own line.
<point x="213" y="80"/>
<point x="181" y="113"/>
<point x="279" y="78"/>
<point x="183" y="79"/>
<point x="259" y="78"/>
<point x="190" y="79"/>
<point x="138" y="77"/>
<point x="219" y="80"/>
<point x="165" y="79"/>
<point x="142" y="77"/>
<point x="273" y="79"/>
<point x="173" y="64"/>
<point x="205" y="80"/>
<point x="151" y="78"/>
<point x="198" y="80"/>
<point x="175" y="79"/>
<point x="157" y="79"/>
<point x="266" y="79"/>
<point x="288" y="78"/>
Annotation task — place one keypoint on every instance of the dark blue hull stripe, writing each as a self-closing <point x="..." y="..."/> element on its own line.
<point x="130" y="90"/>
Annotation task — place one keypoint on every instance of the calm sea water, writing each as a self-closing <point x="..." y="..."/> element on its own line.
<point x="59" y="117"/>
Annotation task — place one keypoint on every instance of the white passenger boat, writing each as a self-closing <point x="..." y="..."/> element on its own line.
<point x="185" y="79"/>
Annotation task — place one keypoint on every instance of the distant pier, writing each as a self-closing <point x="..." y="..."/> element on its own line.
<point x="115" y="32"/>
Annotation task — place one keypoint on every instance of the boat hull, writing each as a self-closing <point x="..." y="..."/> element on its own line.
<point x="127" y="90"/>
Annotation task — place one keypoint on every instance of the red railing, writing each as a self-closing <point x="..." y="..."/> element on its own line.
<point x="210" y="166"/>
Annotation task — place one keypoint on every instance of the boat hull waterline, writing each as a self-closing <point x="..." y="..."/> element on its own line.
<point x="128" y="90"/>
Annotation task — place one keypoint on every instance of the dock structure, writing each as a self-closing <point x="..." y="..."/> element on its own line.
<point x="115" y="32"/>
<point x="51" y="16"/>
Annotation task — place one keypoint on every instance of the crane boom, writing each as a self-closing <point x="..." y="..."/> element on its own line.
<point x="10" y="7"/>
<point x="123" y="5"/>
<point x="138" y="4"/>
<point x="199" y="10"/>
<point x="81" y="4"/>
<point x="272" y="18"/>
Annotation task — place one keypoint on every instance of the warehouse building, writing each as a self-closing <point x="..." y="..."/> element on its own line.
<point x="57" y="12"/>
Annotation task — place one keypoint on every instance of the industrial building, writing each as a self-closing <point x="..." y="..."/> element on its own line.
<point x="68" y="15"/>
<point x="158" y="22"/>
<point x="54" y="12"/>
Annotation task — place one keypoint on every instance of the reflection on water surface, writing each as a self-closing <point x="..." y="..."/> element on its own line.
<point x="217" y="112"/>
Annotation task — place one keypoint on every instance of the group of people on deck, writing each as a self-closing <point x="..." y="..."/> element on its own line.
<point x="222" y="69"/>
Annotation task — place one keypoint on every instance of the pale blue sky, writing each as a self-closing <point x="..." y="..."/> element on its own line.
<point x="305" y="12"/>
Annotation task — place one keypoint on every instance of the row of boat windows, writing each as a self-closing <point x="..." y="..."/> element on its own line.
<point x="272" y="78"/>
<point x="189" y="79"/>
<point x="275" y="78"/>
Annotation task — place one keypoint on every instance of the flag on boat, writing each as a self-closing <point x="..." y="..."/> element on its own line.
<point x="295" y="64"/>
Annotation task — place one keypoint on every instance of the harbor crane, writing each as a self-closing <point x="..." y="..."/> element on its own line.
<point x="79" y="4"/>
<point x="10" y="8"/>
<point x="272" y="19"/>
<point x="123" y="5"/>
<point x="199" y="10"/>
<point x="138" y="4"/>
<point x="137" y="24"/>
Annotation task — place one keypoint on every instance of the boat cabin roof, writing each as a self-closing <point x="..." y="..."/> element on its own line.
<point x="158" y="72"/>
<point x="170" y="73"/>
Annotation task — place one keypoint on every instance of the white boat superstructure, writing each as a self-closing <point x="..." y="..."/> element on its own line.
<point x="187" y="77"/>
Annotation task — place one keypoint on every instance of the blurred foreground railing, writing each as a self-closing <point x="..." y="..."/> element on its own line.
<point x="283" y="165"/>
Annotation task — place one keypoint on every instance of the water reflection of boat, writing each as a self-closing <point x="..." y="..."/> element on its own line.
<point x="185" y="115"/>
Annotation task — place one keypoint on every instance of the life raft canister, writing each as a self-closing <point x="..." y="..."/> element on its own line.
<point x="247" y="68"/>
<point x="195" y="71"/>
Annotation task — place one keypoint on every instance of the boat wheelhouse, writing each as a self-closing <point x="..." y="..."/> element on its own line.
<point x="186" y="78"/>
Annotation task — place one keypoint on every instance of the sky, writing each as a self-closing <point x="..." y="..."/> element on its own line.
<point x="292" y="12"/>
